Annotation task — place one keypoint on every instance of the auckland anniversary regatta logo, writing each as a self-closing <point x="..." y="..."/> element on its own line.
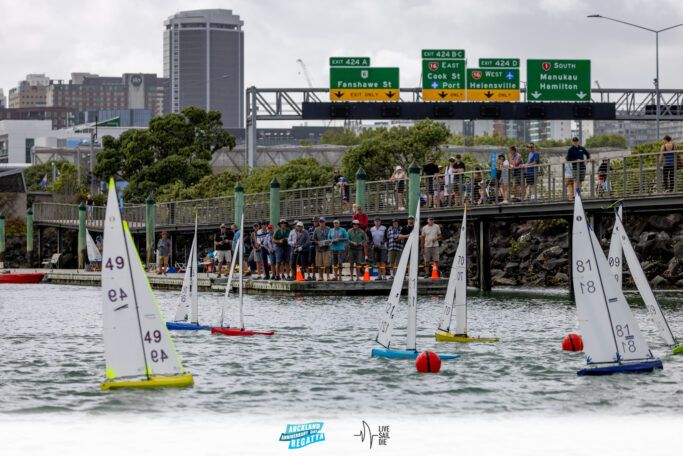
<point x="300" y="435"/>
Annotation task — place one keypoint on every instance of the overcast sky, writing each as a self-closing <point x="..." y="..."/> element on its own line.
<point x="110" y="37"/>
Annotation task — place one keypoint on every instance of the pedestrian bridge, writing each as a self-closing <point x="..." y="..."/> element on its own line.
<point x="640" y="180"/>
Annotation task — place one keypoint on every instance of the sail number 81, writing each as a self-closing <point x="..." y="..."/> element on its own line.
<point x="588" y="287"/>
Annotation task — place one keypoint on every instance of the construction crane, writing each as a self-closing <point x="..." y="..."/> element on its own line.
<point x="305" y="70"/>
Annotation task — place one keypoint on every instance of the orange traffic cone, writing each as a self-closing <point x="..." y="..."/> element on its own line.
<point x="299" y="277"/>
<point x="366" y="274"/>
<point x="435" y="272"/>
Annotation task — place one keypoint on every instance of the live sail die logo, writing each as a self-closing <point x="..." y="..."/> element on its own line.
<point x="366" y="433"/>
<point x="301" y="435"/>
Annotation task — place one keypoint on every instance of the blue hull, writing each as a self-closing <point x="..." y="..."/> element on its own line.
<point x="631" y="368"/>
<point x="185" y="326"/>
<point x="403" y="354"/>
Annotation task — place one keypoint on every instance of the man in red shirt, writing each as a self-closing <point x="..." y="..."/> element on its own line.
<point x="361" y="217"/>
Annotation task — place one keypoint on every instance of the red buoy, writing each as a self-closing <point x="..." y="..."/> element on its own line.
<point x="428" y="362"/>
<point x="572" y="342"/>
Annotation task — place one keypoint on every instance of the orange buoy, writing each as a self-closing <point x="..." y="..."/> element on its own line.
<point x="435" y="272"/>
<point x="572" y="342"/>
<point x="428" y="362"/>
<point x="299" y="276"/>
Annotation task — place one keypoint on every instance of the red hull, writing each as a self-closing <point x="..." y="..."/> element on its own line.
<point x="239" y="332"/>
<point x="29" y="277"/>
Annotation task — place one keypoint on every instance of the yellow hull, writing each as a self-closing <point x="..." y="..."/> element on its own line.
<point x="153" y="382"/>
<point x="458" y="338"/>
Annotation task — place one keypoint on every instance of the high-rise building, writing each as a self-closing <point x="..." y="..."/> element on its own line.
<point x="31" y="93"/>
<point x="204" y="62"/>
<point x="3" y="100"/>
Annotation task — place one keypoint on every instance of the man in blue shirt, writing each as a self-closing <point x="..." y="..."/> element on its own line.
<point x="577" y="153"/>
<point x="338" y="238"/>
<point x="531" y="170"/>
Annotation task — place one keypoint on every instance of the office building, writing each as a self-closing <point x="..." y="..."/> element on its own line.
<point x="30" y="93"/>
<point x="3" y="99"/>
<point x="204" y="62"/>
<point x="90" y="92"/>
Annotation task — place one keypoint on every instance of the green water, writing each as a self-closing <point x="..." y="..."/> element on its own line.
<point x="318" y="361"/>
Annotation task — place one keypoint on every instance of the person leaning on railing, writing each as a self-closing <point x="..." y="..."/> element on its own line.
<point x="531" y="170"/>
<point x="668" y="160"/>
<point x="399" y="177"/>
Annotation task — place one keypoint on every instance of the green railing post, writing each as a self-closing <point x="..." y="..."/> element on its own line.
<point x="274" y="201"/>
<point x="413" y="188"/>
<point x="29" y="238"/>
<point x="149" y="228"/>
<point x="239" y="203"/>
<point x="82" y="248"/>
<point x="2" y="237"/>
<point x="361" y="179"/>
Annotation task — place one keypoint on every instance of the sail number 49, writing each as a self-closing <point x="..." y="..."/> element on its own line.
<point x="154" y="354"/>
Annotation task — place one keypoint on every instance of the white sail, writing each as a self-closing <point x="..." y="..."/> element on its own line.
<point x="615" y="257"/>
<point x="630" y="341"/>
<point x="123" y="351"/>
<point x="411" y="333"/>
<point x="241" y="241"/>
<point x="182" y="313"/>
<point x="607" y="326"/>
<point x="194" y="292"/>
<point x="386" y="324"/>
<point x="136" y="341"/>
<point x="641" y="282"/>
<point x="160" y="352"/>
<point x="94" y="254"/>
<point x="226" y="301"/>
<point x="456" y="293"/>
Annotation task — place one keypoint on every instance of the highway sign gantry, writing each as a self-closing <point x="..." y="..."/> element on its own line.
<point x="558" y="80"/>
<point x="443" y="80"/>
<point x="488" y="84"/>
<point x="367" y="84"/>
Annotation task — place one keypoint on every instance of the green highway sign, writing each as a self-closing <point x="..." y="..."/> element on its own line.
<point x="367" y="84"/>
<point x="492" y="84"/>
<point x="349" y="61"/>
<point x="443" y="53"/>
<point x="558" y="80"/>
<point x="443" y="80"/>
<point x="499" y="63"/>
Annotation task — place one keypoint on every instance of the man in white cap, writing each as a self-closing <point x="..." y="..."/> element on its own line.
<point x="298" y="242"/>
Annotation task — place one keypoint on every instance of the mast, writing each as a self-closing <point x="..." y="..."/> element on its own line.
<point x="193" y="292"/>
<point x="241" y="272"/>
<point x="411" y="343"/>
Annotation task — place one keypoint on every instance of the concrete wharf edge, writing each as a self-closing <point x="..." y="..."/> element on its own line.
<point x="262" y="287"/>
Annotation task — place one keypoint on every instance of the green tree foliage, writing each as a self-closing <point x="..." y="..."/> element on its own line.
<point x="175" y="148"/>
<point x="378" y="152"/>
<point x="299" y="173"/>
<point x="606" y="140"/>
<point x="35" y="173"/>
<point x="340" y="136"/>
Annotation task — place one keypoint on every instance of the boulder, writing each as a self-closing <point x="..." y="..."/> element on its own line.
<point x="660" y="223"/>
<point x="511" y="268"/>
<point x="659" y="282"/>
<point x="679" y="284"/>
<point x="674" y="269"/>
<point x="500" y="254"/>
<point x="663" y="236"/>
<point x="555" y="264"/>
<point x="503" y="281"/>
<point x="552" y="252"/>
<point x="561" y="278"/>
<point x="497" y="273"/>
<point x="675" y="218"/>
<point x="678" y="250"/>
<point x="646" y="236"/>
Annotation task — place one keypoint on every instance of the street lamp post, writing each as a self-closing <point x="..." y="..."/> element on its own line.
<point x="656" y="32"/>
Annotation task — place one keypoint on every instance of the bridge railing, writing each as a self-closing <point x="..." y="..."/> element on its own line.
<point x="630" y="175"/>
